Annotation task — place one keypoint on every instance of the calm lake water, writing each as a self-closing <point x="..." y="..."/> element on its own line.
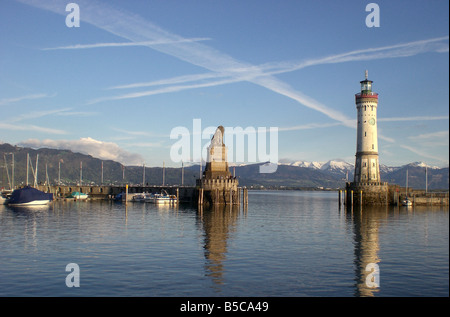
<point x="286" y="243"/>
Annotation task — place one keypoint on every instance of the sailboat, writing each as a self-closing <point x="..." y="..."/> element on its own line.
<point x="406" y="202"/>
<point x="29" y="196"/>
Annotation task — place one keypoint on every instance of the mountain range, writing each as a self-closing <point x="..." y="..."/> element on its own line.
<point x="69" y="167"/>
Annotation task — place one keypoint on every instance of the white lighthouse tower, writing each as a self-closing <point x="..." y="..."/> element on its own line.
<point x="367" y="169"/>
<point x="367" y="188"/>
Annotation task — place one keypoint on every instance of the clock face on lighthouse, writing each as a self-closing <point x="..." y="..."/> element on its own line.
<point x="372" y="121"/>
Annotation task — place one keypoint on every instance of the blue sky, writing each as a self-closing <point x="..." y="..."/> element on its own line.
<point x="117" y="85"/>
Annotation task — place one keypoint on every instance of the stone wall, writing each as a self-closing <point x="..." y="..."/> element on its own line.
<point x="375" y="194"/>
<point x="218" y="191"/>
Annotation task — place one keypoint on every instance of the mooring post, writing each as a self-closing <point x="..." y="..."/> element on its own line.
<point x="200" y="196"/>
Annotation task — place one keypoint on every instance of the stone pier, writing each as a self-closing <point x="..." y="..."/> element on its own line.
<point x="370" y="193"/>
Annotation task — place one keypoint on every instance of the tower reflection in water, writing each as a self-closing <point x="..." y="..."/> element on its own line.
<point x="219" y="223"/>
<point x="366" y="222"/>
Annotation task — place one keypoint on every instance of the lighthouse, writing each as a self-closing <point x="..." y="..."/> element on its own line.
<point x="367" y="188"/>
<point x="367" y="168"/>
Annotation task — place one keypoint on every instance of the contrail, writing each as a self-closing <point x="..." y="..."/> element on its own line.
<point x="101" y="45"/>
<point x="138" y="30"/>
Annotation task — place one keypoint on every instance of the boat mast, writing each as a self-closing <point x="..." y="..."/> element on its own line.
<point x="406" y="183"/>
<point x="143" y="174"/>
<point x="7" y="172"/>
<point x="28" y="162"/>
<point x="36" y="174"/>
<point x="164" y="171"/>
<point x="12" y="170"/>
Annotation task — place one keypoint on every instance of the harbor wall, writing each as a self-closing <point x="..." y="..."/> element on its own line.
<point x="184" y="193"/>
<point x="382" y="193"/>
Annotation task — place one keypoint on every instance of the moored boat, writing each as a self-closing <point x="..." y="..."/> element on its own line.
<point x="141" y="197"/>
<point x="28" y="196"/>
<point x="164" y="198"/>
<point x="406" y="202"/>
<point x="78" y="195"/>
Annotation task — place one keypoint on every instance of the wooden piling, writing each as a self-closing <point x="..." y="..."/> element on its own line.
<point x="245" y="196"/>
<point x="200" y="196"/>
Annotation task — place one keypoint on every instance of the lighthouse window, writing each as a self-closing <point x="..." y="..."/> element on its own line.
<point x="373" y="147"/>
<point x="365" y="133"/>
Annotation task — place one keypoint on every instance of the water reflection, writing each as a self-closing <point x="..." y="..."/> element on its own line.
<point x="366" y="223"/>
<point x="218" y="224"/>
<point x="28" y="219"/>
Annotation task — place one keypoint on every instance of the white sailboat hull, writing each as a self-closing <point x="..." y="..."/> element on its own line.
<point x="33" y="203"/>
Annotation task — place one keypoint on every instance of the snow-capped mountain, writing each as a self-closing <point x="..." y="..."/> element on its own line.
<point x="315" y="165"/>
<point x="336" y="164"/>
<point x="421" y="164"/>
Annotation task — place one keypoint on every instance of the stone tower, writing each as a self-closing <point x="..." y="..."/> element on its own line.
<point x="367" y="168"/>
<point x="217" y="186"/>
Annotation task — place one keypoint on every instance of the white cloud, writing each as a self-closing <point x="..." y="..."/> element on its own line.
<point x="7" y="101"/>
<point x="90" y="146"/>
<point x="423" y="118"/>
<point x="424" y="153"/>
<point x="29" y="127"/>
<point x="433" y="135"/>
